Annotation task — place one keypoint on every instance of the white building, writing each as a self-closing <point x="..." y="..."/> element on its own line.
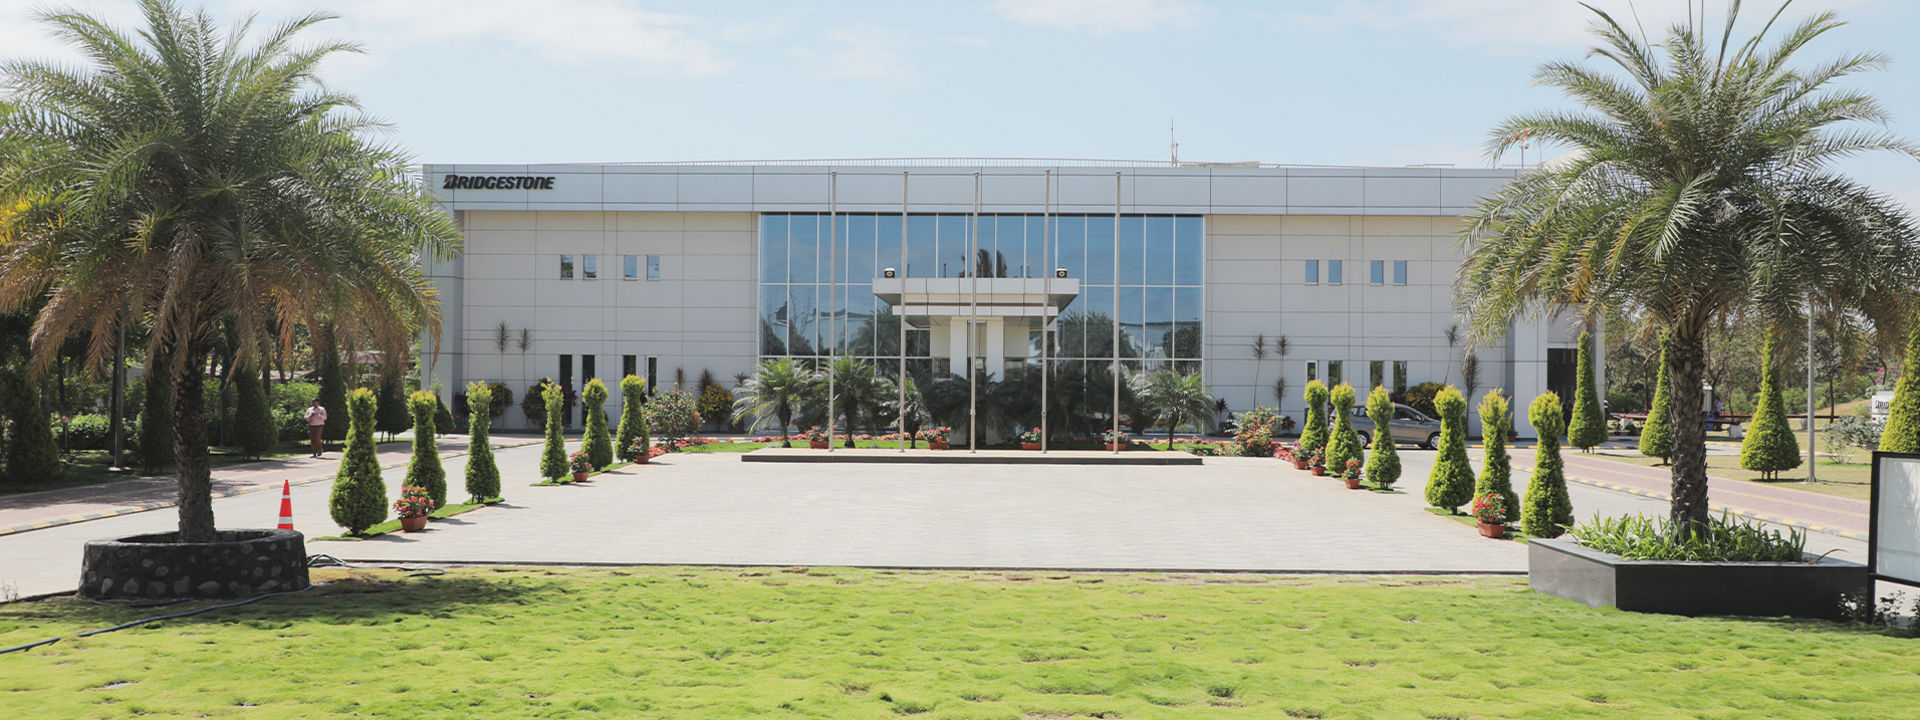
<point x="658" y="269"/>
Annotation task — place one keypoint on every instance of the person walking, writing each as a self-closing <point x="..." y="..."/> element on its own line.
<point x="316" y="423"/>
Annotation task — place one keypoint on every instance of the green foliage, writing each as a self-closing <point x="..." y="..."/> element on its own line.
<point x="294" y="395"/>
<point x="1253" y="431"/>
<point x="716" y="403"/>
<point x="89" y="431"/>
<point x="1769" y="446"/>
<point x="153" y="443"/>
<point x="359" y="498"/>
<point x="533" y="404"/>
<point x="599" y="444"/>
<point x="1727" y="539"/>
<point x="1656" y="437"/>
<point x="1588" y="426"/>
<point x="31" y="454"/>
<point x="253" y="421"/>
<point x="442" y="417"/>
<point x="1450" y="483"/>
<point x="777" y="391"/>
<point x="392" y="417"/>
<point x="1173" y="398"/>
<point x="1496" y="475"/>
<point x="1344" y="443"/>
<point x="1547" y="511"/>
<point x="333" y="391"/>
<point x="1383" y="464"/>
<point x="483" y="473"/>
<point x="633" y="417"/>
<point x="1313" y="435"/>
<point x="425" y="470"/>
<point x="553" y="456"/>
<point x="673" y="416"/>
<point x="1902" y="433"/>
<point x="1420" y="397"/>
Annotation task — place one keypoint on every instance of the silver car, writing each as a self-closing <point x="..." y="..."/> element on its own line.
<point x="1409" y="426"/>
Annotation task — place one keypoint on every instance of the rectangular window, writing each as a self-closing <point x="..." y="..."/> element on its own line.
<point x="1333" y="272"/>
<point x="1399" y="272"/>
<point x="590" y="266"/>
<point x="1333" y="372"/>
<point x="587" y="369"/>
<point x="653" y="373"/>
<point x="1399" y="377"/>
<point x="1377" y="272"/>
<point x="629" y="267"/>
<point x="653" y="267"/>
<point x="627" y="366"/>
<point x="566" y="384"/>
<point x="1313" y="272"/>
<point x="1313" y="370"/>
<point x="566" y="267"/>
<point x="1376" y="374"/>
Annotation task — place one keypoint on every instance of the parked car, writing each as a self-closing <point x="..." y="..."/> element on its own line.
<point x="1409" y="426"/>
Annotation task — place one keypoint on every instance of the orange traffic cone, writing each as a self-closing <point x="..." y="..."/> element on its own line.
<point x="286" y="505"/>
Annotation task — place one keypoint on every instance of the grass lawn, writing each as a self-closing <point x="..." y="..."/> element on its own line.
<point x="1843" y="479"/>
<point x="690" y="643"/>
<point x="445" y="511"/>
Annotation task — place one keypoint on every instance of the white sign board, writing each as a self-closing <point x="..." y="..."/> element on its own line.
<point x="1895" y="540"/>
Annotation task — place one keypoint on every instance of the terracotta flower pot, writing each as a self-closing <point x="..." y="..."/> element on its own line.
<point x="1299" y="464"/>
<point x="1116" y="446"/>
<point x="1029" y="446"/>
<point x="819" y="444"/>
<point x="1353" y="483"/>
<point x="413" y="524"/>
<point x="1319" y="471"/>
<point x="937" y="444"/>
<point x="579" y="476"/>
<point x="642" y="460"/>
<point x="1493" y="530"/>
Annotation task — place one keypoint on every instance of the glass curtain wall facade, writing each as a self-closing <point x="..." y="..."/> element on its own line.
<point x="816" y="294"/>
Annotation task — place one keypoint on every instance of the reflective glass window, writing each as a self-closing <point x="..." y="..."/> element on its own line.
<point x="1399" y="376"/>
<point x="1099" y="250"/>
<point x="1131" y="257"/>
<point x="630" y="267"/>
<point x="566" y="267"/>
<point x="590" y="266"/>
<point x="1333" y="272"/>
<point x="1313" y="370"/>
<point x="653" y="267"/>
<point x="1159" y="251"/>
<point x="1377" y="272"/>
<point x="1159" y="323"/>
<point x="1010" y="245"/>
<point x="773" y="320"/>
<point x="1133" y="329"/>
<point x="1313" y="272"/>
<point x="1376" y="374"/>
<point x="1189" y="254"/>
<point x="886" y="243"/>
<point x="1070" y="246"/>
<point x="922" y="251"/>
<point x="953" y="246"/>
<point x="1037" y="242"/>
<point x="1399" y="272"/>
<point x="1187" y="313"/>
<point x="803" y="319"/>
<point x="860" y="250"/>
<point x="1333" y="372"/>
<point x="803" y="245"/>
<point x="773" y="248"/>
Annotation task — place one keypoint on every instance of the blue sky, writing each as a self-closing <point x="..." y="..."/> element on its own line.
<point x="1387" y="82"/>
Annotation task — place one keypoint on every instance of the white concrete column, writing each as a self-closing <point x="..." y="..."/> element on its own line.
<point x="996" y="350"/>
<point x="958" y="345"/>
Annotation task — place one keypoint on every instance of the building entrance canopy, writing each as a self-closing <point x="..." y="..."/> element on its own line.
<point x="1002" y="311"/>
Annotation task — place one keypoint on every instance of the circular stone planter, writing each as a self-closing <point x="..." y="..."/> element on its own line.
<point x="154" y="566"/>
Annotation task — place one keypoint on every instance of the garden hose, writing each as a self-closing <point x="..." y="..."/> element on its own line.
<point x="322" y="560"/>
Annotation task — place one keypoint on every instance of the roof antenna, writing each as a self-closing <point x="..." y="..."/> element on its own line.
<point x="1174" y="143"/>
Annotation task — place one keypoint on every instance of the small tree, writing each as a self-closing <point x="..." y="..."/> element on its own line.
<point x="1770" y="445"/>
<point x="1588" y="426"/>
<point x="1656" y="437"/>
<point x="633" y="417"/>
<point x="1344" y="443"/>
<point x="425" y="470"/>
<point x="1313" y="434"/>
<point x="1383" y="465"/>
<point x="359" y="497"/>
<point x="31" y="453"/>
<point x="1902" y="433"/>
<point x="483" y="474"/>
<point x="1548" y="511"/>
<point x="154" y="444"/>
<point x="392" y="417"/>
<point x="673" y="415"/>
<point x="442" y="417"/>
<point x="1496" y="474"/>
<point x="553" y="457"/>
<point x="716" y="404"/>
<point x="599" y="445"/>
<point x="257" y="432"/>
<point x="777" y="391"/>
<point x="333" y="389"/>
<point x="533" y="404"/>
<point x="1450" y="483"/>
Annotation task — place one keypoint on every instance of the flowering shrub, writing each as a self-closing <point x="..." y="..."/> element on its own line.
<point x="1285" y="452"/>
<point x="673" y="416"/>
<point x="414" y="502"/>
<point x="639" y="446"/>
<point x="938" y="434"/>
<point x="1352" y="472"/>
<point x="1032" y="435"/>
<point x="1255" y="432"/>
<point x="579" y="462"/>
<point x="656" y="451"/>
<point x="817" y="434"/>
<point x="1490" y="509"/>
<point x="1317" y="458"/>
<point x="1115" y="437"/>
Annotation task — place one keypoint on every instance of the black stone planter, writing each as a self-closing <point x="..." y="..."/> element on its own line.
<point x="243" y="563"/>
<point x="1564" y="568"/>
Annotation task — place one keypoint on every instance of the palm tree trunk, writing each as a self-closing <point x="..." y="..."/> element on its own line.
<point x="190" y="450"/>
<point x="786" y="418"/>
<point x="1686" y="364"/>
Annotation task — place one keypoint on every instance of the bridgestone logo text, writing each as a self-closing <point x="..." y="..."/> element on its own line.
<point x="497" y="182"/>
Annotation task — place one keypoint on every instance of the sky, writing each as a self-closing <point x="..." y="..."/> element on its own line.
<point x="1340" y="82"/>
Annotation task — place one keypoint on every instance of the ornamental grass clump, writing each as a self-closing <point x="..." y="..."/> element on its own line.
<point x="553" y="455"/>
<point x="1547" y="511"/>
<point x="632" y="435"/>
<point x="1496" y="472"/>
<point x="598" y="444"/>
<point x="1313" y="435"/>
<point x="1450" y="483"/>
<point x="359" y="497"/>
<point x="1343" y="443"/>
<point x="424" y="469"/>
<point x="1727" y="539"/>
<point x="483" y="474"/>
<point x="1769" y="446"/>
<point x="1383" y="464"/>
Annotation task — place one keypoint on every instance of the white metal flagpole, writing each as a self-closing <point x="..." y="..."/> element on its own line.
<point x="833" y="294"/>
<point x="1046" y="299"/>
<point x="899" y="311"/>
<point x="1116" y="313"/>
<point x="973" y="318"/>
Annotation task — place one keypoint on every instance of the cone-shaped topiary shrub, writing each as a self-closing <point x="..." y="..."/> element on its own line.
<point x="255" y="430"/>
<point x="392" y="417"/>
<point x="1770" y="445"/>
<point x="1450" y="483"/>
<point x="1902" y="433"/>
<point x="31" y="454"/>
<point x="424" y="470"/>
<point x="442" y="417"/>
<point x="1656" y="437"/>
<point x="599" y="444"/>
<point x="633" y="417"/>
<point x="1548" y="511"/>
<point x="1383" y="464"/>
<point x="359" y="498"/>
<point x="1496" y="475"/>
<point x="1344" y="443"/>
<point x="153" y="443"/>
<point x="1313" y="435"/>
<point x="1588" y="426"/>
<point x="553" y="457"/>
<point x="483" y="474"/>
<point x="333" y="392"/>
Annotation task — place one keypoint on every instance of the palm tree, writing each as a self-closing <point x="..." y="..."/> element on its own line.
<point x="858" y="392"/>
<point x="1174" y="398"/>
<point x="776" y="392"/>
<point x="191" y="176"/>
<point x="1699" y="190"/>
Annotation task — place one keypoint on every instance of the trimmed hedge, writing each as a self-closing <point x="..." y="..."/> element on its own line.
<point x="1588" y="426"/>
<point x="254" y="428"/>
<point x="1769" y="446"/>
<point x="31" y="455"/>
<point x="483" y="474"/>
<point x="553" y="457"/>
<point x="1902" y="433"/>
<point x="1383" y="465"/>
<point x="1450" y="484"/>
<point x="633" y="415"/>
<point x="1656" y="437"/>
<point x="1496" y="474"/>
<point x="425" y="470"/>
<point x="1313" y="435"/>
<point x="359" y="499"/>
<point x="1344" y="443"/>
<point x="1548" y="511"/>
<point x="599" y="445"/>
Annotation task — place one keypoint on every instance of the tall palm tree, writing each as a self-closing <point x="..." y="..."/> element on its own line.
<point x="190" y="175"/>
<point x="1699" y="190"/>
<point x="1174" y="398"/>
<point x="776" y="392"/>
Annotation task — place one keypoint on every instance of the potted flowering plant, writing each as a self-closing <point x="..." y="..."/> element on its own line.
<point x="817" y="438"/>
<point x="580" y="465"/>
<point x="1030" y="440"/>
<point x="1491" y="512"/>
<point x="639" y="451"/>
<point x="1351" y="475"/>
<point x="936" y="437"/>
<point x="413" y="507"/>
<point x="1317" y="461"/>
<point x="1116" y="440"/>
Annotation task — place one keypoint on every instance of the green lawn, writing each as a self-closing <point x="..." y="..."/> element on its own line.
<point x="89" y="467"/>
<point x="1843" y="479"/>
<point x="691" y="643"/>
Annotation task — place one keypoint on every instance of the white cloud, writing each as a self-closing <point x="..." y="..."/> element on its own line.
<point x="866" y="52"/>
<point x="1097" y="17"/>
<point x="1505" y="26"/>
